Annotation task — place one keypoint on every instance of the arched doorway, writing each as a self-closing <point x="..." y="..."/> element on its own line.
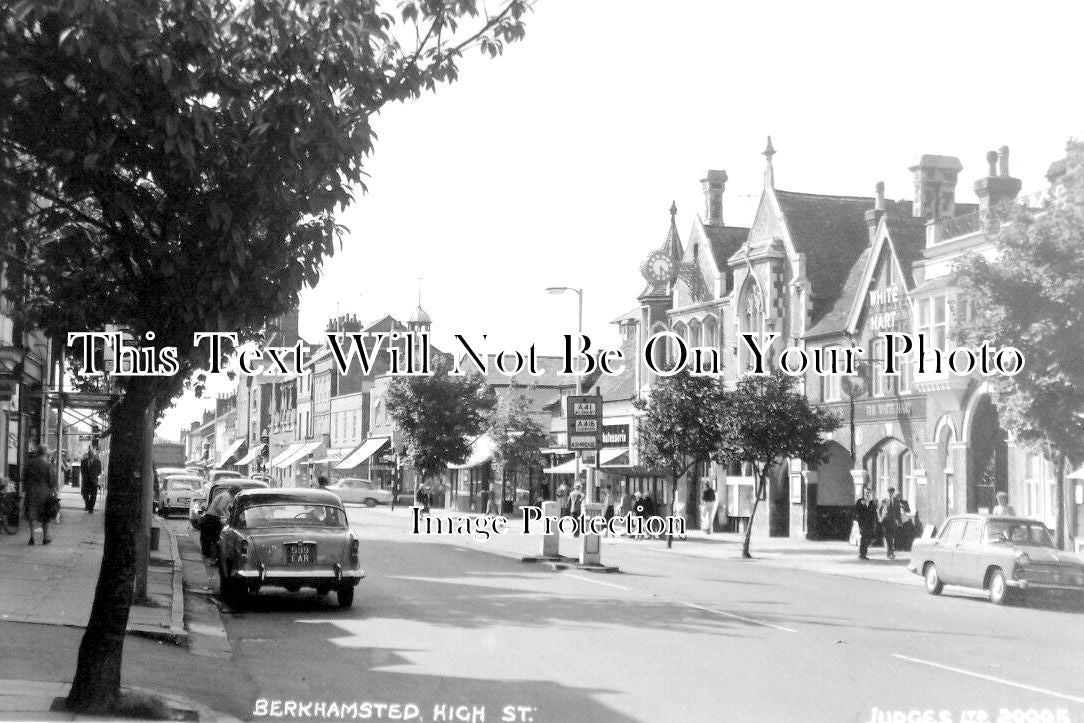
<point x="890" y="465"/>
<point x="987" y="468"/>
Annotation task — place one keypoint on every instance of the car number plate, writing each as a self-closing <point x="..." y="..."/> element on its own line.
<point x="300" y="554"/>
<point x="182" y="499"/>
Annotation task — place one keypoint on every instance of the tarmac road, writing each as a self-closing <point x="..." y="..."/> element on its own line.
<point x="449" y="631"/>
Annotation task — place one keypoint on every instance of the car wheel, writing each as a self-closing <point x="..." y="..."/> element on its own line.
<point x="934" y="586"/>
<point x="321" y="591"/>
<point x="370" y="502"/>
<point x="1000" y="593"/>
<point x="345" y="595"/>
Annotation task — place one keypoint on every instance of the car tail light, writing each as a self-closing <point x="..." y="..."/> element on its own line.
<point x="242" y="548"/>
<point x="354" y="544"/>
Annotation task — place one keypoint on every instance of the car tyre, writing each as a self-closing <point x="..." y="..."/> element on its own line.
<point x="934" y="586"/>
<point x="346" y="596"/>
<point x="370" y="502"/>
<point x="1000" y="592"/>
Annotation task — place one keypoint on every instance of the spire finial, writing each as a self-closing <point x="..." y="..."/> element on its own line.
<point x="420" y="291"/>
<point x="673" y="209"/>
<point x="769" y="172"/>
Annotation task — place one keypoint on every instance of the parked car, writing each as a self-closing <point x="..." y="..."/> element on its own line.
<point x="291" y="538"/>
<point x="263" y="478"/>
<point x="198" y="471"/>
<point x="216" y="474"/>
<point x="203" y="499"/>
<point x="361" y="492"/>
<point x="1008" y="556"/>
<point x="175" y="492"/>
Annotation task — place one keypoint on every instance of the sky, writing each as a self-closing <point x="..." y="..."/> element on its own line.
<point x="556" y="163"/>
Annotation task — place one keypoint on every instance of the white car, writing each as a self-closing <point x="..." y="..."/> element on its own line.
<point x="176" y="491"/>
<point x="360" y="492"/>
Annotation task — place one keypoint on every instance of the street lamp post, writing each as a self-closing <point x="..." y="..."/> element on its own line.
<point x="579" y="379"/>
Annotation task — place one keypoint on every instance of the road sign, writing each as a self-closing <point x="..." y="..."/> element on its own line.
<point x="584" y="422"/>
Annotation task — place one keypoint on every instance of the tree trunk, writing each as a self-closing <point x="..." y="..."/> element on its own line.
<point x="673" y="504"/>
<point x="761" y="486"/>
<point x="96" y="688"/>
<point x="1062" y="520"/>
<point x="692" y="499"/>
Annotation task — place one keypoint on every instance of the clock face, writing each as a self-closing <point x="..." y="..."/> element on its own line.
<point x="658" y="267"/>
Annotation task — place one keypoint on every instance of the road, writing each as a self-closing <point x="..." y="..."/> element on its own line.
<point x="464" y="634"/>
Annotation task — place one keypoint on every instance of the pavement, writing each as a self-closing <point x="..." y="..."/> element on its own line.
<point x="53" y="585"/>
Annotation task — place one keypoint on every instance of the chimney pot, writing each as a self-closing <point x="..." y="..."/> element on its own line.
<point x="1003" y="161"/>
<point x="991" y="163"/>
<point x="880" y="190"/>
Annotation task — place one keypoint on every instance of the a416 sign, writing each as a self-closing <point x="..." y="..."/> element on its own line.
<point x="584" y="419"/>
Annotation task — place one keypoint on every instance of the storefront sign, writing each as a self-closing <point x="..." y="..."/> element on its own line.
<point x="893" y="409"/>
<point x="887" y="308"/>
<point x="615" y="435"/>
<point x="584" y="419"/>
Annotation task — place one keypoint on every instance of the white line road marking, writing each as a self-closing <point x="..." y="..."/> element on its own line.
<point x="991" y="678"/>
<point x="600" y="582"/>
<point x="739" y="617"/>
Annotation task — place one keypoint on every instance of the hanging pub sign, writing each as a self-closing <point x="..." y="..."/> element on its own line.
<point x="615" y="435"/>
<point x="583" y="417"/>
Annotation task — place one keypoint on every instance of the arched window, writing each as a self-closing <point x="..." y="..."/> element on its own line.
<point x="660" y="350"/>
<point x="884" y="474"/>
<point x="711" y="332"/>
<point x="695" y="336"/>
<point x="907" y="477"/>
<point x="683" y="331"/>
<point x="750" y="318"/>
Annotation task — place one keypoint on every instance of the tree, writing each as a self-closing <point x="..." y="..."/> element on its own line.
<point x="517" y="438"/>
<point x="680" y="427"/>
<point x="439" y="415"/>
<point x="179" y="165"/>
<point x="1032" y="298"/>
<point x="766" y="422"/>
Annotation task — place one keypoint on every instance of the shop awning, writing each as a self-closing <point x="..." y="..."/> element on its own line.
<point x="1077" y="474"/>
<point x="248" y="458"/>
<point x="280" y="458"/>
<point x="229" y="452"/>
<point x="305" y="450"/>
<point x="332" y="456"/>
<point x="481" y="452"/>
<point x="194" y="462"/>
<point x="362" y="452"/>
<point x="627" y="470"/>
<point x="555" y="450"/>
<point x="568" y="467"/>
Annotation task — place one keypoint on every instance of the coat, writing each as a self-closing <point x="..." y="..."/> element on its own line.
<point x="39" y="486"/>
<point x="90" y="469"/>
<point x="865" y="514"/>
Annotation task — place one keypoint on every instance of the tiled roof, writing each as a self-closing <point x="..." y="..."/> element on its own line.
<point x="835" y="320"/>
<point x="623" y="386"/>
<point x="909" y="237"/>
<point x="725" y="240"/>
<point x="550" y="366"/>
<point x="632" y="314"/>
<point x="831" y="231"/>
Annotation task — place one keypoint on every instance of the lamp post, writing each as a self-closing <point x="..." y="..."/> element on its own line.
<point x="579" y="379"/>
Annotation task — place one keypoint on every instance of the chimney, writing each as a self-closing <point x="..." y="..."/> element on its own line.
<point x="998" y="187"/>
<point x="714" y="183"/>
<point x="935" y="186"/>
<point x="873" y="217"/>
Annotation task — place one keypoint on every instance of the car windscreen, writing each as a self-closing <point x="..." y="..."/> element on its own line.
<point x="1018" y="533"/>
<point x="292" y="515"/>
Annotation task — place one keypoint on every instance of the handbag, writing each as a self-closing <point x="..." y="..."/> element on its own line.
<point x="52" y="508"/>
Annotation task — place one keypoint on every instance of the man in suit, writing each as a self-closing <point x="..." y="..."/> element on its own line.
<point x="891" y="519"/>
<point x="90" y="468"/>
<point x="865" y="514"/>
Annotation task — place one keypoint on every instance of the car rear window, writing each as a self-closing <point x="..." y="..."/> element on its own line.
<point x="182" y="484"/>
<point x="293" y="515"/>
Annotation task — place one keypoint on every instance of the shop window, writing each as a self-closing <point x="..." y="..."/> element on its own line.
<point x="883" y="473"/>
<point x="907" y="477"/>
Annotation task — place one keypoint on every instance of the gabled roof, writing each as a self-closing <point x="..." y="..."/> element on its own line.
<point x="831" y="231"/>
<point x="834" y="321"/>
<point x="632" y="314"/>
<point x="725" y="241"/>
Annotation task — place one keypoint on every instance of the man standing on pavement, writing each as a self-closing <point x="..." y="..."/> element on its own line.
<point x="90" y="468"/>
<point x="865" y="514"/>
<point x="1003" y="507"/>
<point x="210" y="527"/>
<point x="40" y="488"/>
<point x="890" y="521"/>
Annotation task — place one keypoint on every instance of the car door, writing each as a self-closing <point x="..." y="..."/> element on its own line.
<point x="968" y="558"/>
<point x="942" y="550"/>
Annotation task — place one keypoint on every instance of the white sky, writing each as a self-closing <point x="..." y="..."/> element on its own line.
<point x="556" y="163"/>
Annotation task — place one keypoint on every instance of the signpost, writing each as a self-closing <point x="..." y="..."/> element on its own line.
<point x="584" y="418"/>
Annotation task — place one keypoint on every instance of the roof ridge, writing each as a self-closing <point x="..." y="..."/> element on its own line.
<point x="826" y="195"/>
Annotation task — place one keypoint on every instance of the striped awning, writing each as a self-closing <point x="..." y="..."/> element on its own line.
<point x="231" y="450"/>
<point x="481" y="452"/>
<point x="362" y="452"/>
<point x="277" y="462"/>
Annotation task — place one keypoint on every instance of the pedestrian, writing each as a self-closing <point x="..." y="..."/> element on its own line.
<point x="626" y="503"/>
<point x="707" y="509"/>
<point x="1003" y="507"/>
<point x="562" y="499"/>
<point x="607" y="506"/>
<point x="889" y="515"/>
<point x="575" y="506"/>
<point x="322" y="482"/>
<point x="421" y="498"/>
<point x="90" y="468"/>
<point x="865" y="516"/>
<point x="210" y="526"/>
<point x="42" y="500"/>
